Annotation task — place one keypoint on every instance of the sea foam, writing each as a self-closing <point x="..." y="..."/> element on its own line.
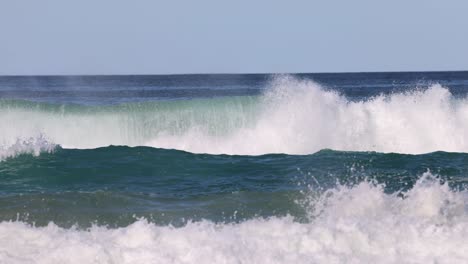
<point x="292" y="116"/>
<point x="33" y="145"/>
<point x="359" y="224"/>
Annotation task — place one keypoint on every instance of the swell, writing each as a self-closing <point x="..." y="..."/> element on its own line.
<point x="113" y="185"/>
<point x="151" y="168"/>
<point x="292" y="117"/>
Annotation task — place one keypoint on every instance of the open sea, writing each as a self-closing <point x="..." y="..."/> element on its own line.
<point x="258" y="168"/>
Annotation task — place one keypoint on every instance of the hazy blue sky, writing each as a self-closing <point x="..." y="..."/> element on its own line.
<point x="158" y="37"/>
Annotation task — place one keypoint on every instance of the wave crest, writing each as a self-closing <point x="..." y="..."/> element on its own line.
<point x="293" y="116"/>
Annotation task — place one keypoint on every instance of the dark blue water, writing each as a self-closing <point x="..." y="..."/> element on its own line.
<point x="137" y="88"/>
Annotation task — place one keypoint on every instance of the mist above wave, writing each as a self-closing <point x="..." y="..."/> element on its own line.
<point x="292" y="116"/>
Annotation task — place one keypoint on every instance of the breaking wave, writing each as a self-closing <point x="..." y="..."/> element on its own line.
<point x="33" y="146"/>
<point x="359" y="224"/>
<point x="292" y="117"/>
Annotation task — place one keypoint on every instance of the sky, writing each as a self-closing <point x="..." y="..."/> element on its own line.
<point x="62" y="37"/>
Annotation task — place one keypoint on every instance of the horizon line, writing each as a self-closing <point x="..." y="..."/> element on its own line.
<point x="221" y="73"/>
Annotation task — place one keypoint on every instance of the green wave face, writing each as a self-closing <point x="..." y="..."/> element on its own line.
<point x="126" y="124"/>
<point x="113" y="185"/>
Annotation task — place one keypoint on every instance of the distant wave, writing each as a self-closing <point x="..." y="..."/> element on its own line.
<point x="359" y="224"/>
<point x="292" y="116"/>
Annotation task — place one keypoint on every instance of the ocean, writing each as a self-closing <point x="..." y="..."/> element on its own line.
<point x="254" y="168"/>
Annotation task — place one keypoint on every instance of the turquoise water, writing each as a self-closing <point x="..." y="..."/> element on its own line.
<point x="116" y="185"/>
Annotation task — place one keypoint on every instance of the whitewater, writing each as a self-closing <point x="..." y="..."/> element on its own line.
<point x="292" y="116"/>
<point x="359" y="224"/>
